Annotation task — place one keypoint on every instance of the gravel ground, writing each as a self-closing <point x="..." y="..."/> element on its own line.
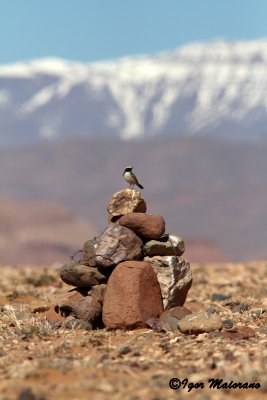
<point x="41" y="363"/>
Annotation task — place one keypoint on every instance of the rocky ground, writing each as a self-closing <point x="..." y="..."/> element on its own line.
<point x="39" y="362"/>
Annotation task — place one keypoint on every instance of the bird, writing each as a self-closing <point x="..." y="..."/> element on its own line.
<point x="130" y="177"/>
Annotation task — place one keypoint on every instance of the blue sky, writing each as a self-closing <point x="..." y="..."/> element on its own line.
<point x="90" y="30"/>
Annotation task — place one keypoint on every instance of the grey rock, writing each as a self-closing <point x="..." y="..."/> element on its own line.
<point x="210" y="310"/>
<point x="219" y="297"/>
<point x="228" y="323"/>
<point x="169" y="245"/>
<point x="116" y="244"/>
<point x="80" y="275"/>
<point x="240" y="308"/>
<point x="175" y="278"/>
<point x="200" y="323"/>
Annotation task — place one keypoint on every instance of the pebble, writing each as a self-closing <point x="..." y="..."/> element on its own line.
<point x="228" y="323"/>
<point x="257" y="312"/>
<point x="240" y="308"/>
<point x="210" y="310"/>
<point x="124" y="349"/>
<point x="219" y="297"/>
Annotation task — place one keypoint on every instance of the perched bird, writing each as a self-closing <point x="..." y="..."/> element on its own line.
<point x="130" y="177"/>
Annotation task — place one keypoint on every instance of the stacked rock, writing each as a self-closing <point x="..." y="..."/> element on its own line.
<point x="128" y="275"/>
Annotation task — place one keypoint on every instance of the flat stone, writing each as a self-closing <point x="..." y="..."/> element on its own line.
<point x="80" y="275"/>
<point x="200" y="323"/>
<point x="242" y="332"/>
<point x="146" y="225"/>
<point x="114" y="245"/>
<point x="132" y="296"/>
<point x="169" y="245"/>
<point x="126" y="201"/>
<point x="175" y="278"/>
<point x="219" y="297"/>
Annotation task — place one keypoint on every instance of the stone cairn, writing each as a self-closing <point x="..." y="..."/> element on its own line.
<point x="129" y="276"/>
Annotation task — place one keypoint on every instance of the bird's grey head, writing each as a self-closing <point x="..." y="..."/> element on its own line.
<point x="128" y="169"/>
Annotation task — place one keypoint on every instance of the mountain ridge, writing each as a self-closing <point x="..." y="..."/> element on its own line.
<point x="214" y="89"/>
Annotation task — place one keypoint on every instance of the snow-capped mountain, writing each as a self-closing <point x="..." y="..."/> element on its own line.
<point x="214" y="89"/>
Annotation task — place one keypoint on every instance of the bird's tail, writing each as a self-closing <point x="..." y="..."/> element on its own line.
<point x="140" y="186"/>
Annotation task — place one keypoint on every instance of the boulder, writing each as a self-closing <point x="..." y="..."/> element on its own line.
<point x="80" y="275"/>
<point x="126" y="201"/>
<point x="132" y="296"/>
<point x="175" y="278"/>
<point x="147" y="225"/>
<point x="114" y="245"/>
<point x="169" y="245"/>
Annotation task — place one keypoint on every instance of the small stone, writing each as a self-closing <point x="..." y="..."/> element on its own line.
<point x="210" y="310"/>
<point x="124" y="349"/>
<point x="175" y="278"/>
<point x="219" y="297"/>
<point x="146" y="225"/>
<point x="200" y="323"/>
<point x="126" y="201"/>
<point x="240" y="308"/>
<point x="169" y="245"/>
<point x="228" y="323"/>
<point x="81" y="275"/>
<point x="132" y="296"/>
<point x="114" y="245"/>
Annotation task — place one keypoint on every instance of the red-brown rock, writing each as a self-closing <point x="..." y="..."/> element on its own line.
<point x="114" y="245"/>
<point x="242" y="332"/>
<point x="126" y="201"/>
<point x="54" y="317"/>
<point x="80" y="305"/>
<point x="132" y="296"/>
<point x="146" y="225"/>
